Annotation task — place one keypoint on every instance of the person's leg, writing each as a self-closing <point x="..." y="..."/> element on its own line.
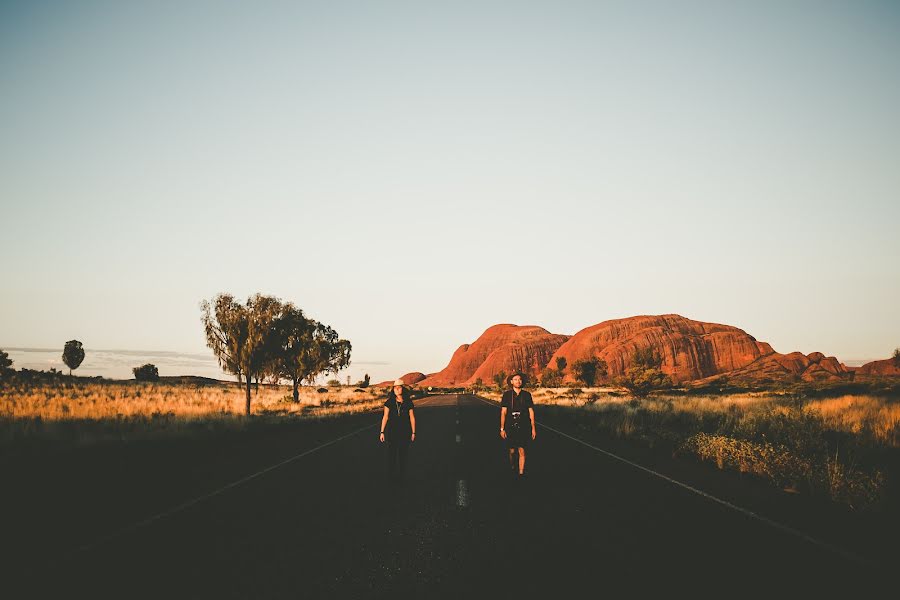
<point x="521" y="460"/>
<point x="512" y="459"/>
<point x="392" y="460"/>
<point x="402" y="451"/>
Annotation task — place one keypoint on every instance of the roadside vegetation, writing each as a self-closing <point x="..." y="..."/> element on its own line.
<point x="841" y="447"/>
<point x="82" y="411"/>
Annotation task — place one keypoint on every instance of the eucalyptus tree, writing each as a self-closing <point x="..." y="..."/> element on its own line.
<point x="308" y="349"/>
<point x="266" y="337"/>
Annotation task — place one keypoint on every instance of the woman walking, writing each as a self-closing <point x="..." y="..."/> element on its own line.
<point x="398" y="428"/>
<point x="517" y="424"/>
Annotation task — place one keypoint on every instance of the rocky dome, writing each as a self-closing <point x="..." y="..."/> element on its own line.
<point x="501" y="348"/>
<point x="408" y="379"/>
<point x="689" y="349"/>
<point x="880" y="368"/>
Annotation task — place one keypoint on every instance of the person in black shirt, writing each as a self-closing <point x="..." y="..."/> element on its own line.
<point x="517" y="424"/>
<point x="398" y="428"/>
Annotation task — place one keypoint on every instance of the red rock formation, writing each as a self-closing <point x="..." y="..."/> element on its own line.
<point x="504" y="348"/>
<point x="689" y="349"/>
<point x="408" y="379"/>
<point x="785" y="368"/>
<point x="880" y="368"/>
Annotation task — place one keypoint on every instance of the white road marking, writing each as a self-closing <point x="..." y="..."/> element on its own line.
<point x="744" y="511"/>
<point x="185" y="505"/>
<point x="458" y="438"/>
<point x="462" y="494"/>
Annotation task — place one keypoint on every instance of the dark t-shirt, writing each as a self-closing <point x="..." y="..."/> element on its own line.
<point x="517" y="406"/>
<point x="398" y="426"/>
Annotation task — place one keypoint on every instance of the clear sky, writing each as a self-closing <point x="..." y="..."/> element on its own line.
<point x="414" y="172"/>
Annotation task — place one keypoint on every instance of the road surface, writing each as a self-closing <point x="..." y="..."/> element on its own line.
<point x="324" y="523"/>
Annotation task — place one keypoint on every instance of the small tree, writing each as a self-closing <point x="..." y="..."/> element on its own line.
<point x="896" y="357"/>
<point x="147" y="372"/>
<point x="589" y="370"/>
<point x="561" y="364"/>
<point x="644" y="374"/>
<point x="500" y="380"/>
<point x="551" y="377"/>
<point x="5" y="363"/>
<point x="365" y="382"/>
<point x="73" y="354"/>
<point x="334" y="383"/>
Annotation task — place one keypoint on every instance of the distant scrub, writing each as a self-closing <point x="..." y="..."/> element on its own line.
<point x="147" y="372"/>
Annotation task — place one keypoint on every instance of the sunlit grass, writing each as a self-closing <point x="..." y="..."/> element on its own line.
<point x="835" y="446"/>
<point x="90" y="411"/>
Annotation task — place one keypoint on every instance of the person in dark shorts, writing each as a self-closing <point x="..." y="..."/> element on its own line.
<point x="517" y="424"/>
<point x="398" y="429"/>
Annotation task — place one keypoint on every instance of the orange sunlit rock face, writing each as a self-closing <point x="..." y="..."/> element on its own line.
<point x="880" y="368"/>
<point x="501" y="348"/>
<point x="689" y="349"/>
<point x="408" y="379"/>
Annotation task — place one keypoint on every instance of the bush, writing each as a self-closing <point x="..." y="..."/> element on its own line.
<point x="322" y="390"/>
<point x="589" y="370"/>
<point x="644" y="375"/>
<point x="5" y="362"/>
<point x="551" y="378"/>
<point x="896" y="357"/>
<point x="147" y="372"/>
<point x="334" y="382"/>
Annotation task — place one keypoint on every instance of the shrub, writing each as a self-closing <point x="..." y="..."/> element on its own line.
<point x="551" y="378"/>
<point x="896" y="357"/>
<point x="147" y="372"/>
<point x="589" y="370"/>
<point x="322" y="390"/>
<point x="5" y="362"/>
<point x="644" y="374"/>
<point x="333" y="383"/>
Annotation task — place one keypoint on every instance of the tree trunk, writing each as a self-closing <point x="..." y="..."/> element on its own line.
<point x="296" y="391"/>
<point x="248" y="395"/>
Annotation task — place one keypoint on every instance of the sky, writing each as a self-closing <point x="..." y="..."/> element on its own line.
<point x="411" y="173"/>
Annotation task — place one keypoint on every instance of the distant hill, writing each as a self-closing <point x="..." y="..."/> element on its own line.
<point x="691" y="352"/>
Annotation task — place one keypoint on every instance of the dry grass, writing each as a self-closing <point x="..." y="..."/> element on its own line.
<point x="836" y="446"/>
<point x="86" y="412"/>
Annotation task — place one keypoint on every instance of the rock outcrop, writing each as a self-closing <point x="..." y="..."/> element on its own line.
<point x="689" y="349"/>
<point x="785" y="369"/>
<point x="880" y="368"/>
<point x="501" y="348"/>
<point x="408" y="379"/>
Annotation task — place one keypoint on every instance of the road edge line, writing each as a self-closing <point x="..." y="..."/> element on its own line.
<point x="744" y="511"/>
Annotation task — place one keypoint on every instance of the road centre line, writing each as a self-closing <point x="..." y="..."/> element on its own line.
<point x="744" y="511"/>
<point x="462" y="494"/>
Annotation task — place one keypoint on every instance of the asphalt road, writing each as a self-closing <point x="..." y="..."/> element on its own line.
<point x="327" y="524"/>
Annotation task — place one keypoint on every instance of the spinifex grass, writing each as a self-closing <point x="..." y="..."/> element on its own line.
<point x="840" y="447"/>
<point x="90" y="411"/>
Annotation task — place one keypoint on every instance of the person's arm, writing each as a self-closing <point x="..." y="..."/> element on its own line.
<point x="412" y="424"/>
<point x="533" y="424"/>
<point x="384" y="423"/>
<point x="502" y="421"/>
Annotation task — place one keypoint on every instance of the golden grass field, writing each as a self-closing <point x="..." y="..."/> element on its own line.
<point x="89" y="411"/>
<point x="875" y="417"/>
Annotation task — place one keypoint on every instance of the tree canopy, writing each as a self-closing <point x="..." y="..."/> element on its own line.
<point x="73" y="354"/>
<point x="268" y="338"/>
